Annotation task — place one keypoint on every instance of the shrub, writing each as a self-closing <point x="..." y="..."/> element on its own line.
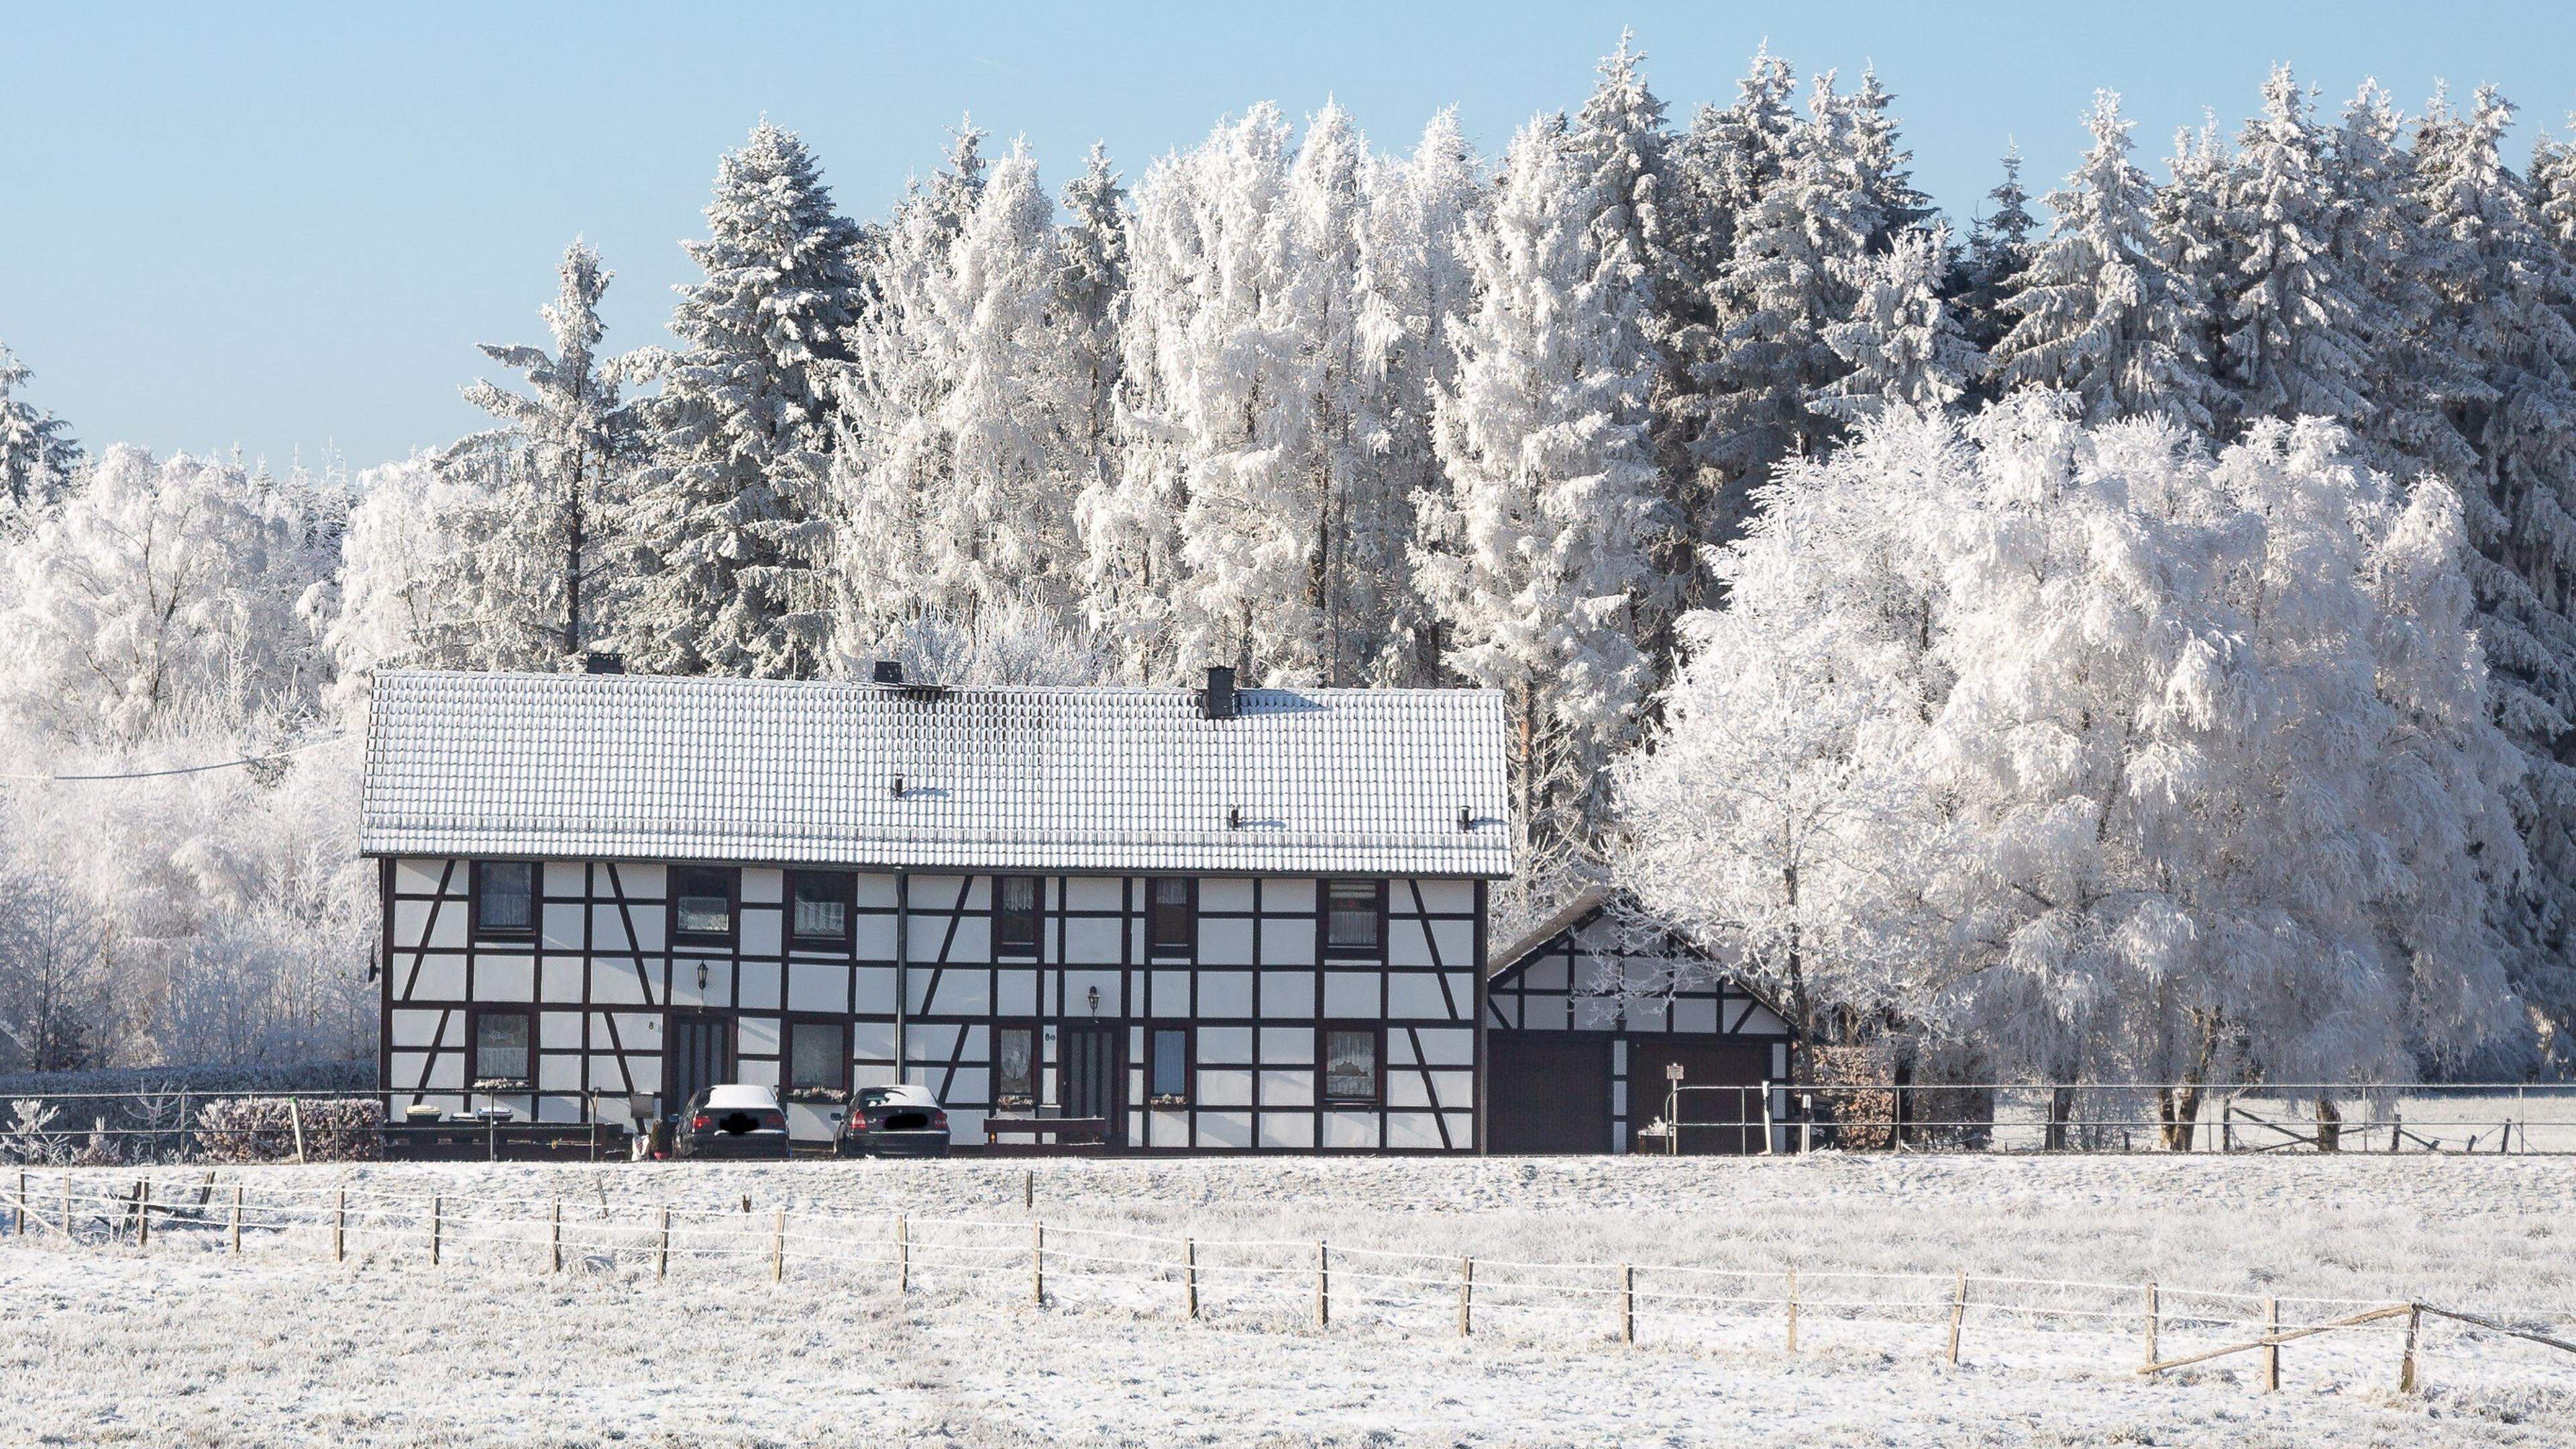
<point x="262" y="1129"/>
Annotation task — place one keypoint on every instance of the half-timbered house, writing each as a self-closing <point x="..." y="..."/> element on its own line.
<point x="1589" y="1014"/>
<point x="1217" y="919"/>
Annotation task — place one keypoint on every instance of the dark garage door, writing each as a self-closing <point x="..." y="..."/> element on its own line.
<point x="1550" y="1092"/>
<point x="1706" y="1116"/>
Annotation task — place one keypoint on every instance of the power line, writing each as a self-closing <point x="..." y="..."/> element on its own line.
<point x="246" y="760"/>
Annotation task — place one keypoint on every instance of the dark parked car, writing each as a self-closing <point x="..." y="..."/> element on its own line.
<point x="737" y="1120"/>
<point x="893" y="1122"/>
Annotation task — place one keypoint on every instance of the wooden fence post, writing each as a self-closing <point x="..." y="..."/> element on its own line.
<point x="237" y="1216"/>
<point x="1793" y="1310"/>
<point x="778" y="1248"/>
<point x="433" y="1229"/>
<point x="340" y="1226"/>
<point x="662" y="1246"/>
<point x="143" y="1213"/>
<point x="2406" y="1365"/>
<point x="1028" y="1189"/>
<point x="1323" y="1285"/>
<point x="2271" y="1350"/>
<point x="1627" y="1303"/>
<point x="2396" y="1129"/>
<point x="554" y="1237"/>
<point x="1037" y="1264"/>
<point x="902" y="1256"/>
<point x="2153" y="1315"/>
<point x="295" y="1114"/>
<point x="67" y="1204"/>
<point x="1958" y="1311"/>
<point x="1190" y="1277"/>
<point x="20" y="1215"/>
<point x="1466" y="1296"/>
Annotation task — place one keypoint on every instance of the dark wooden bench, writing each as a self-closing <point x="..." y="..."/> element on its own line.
<point x="1054" y="1131"/>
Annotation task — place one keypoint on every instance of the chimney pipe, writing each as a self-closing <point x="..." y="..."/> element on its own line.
<point x="888" y="671"/>
<point x="1217" y="700"/>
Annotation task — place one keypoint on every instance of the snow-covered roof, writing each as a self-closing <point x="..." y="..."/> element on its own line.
<point x="1308" y="781"/>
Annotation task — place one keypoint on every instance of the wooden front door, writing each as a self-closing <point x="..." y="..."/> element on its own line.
<point x="1093" y="1073"/>
<point x="699" y="1054"/>
<point x="1550" y="1092"/>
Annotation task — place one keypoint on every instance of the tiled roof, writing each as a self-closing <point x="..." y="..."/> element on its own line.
<point x="628" y="766"/>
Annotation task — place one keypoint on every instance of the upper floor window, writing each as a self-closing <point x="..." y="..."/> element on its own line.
<point x="505" y="897"/>
<point x="1015" y="915"/>
<point x="1354" y="917"/>
<point x="501" y="1047"/>
<point x="1172" y="916"/>
<point x="819" y="905"/>
<point x="702" y="904"/>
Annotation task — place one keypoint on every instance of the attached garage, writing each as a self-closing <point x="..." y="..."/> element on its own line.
<point x="1587" y="1014"/>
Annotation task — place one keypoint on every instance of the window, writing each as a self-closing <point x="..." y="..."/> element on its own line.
<point x="702" y="904"/>
<point x="1015" y="915"/>
<point x="1167" y="1066"/>
<point x="501" y="1047"/>
<point x="1015" y="1066"/>
<point x="505" y="897"/>
<point x="818" y="1057"/>
<point x="1354" y="917"/>
<point x="821" y="905"/>
<point x="1351" y="1064"/>
<point x="1172" y="923"/>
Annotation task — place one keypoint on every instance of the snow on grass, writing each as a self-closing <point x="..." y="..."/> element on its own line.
<point x="185" y="1344"/>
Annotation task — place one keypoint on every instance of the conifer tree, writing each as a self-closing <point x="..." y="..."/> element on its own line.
<point x="2408" y="374"/>
<point x="570" y="438"/>
<point x="37" y="454"/>
<point x="725" y="519"/>
<point x="2100" y="312"/>
<point x="2505" y="296"/>
<point x="1903" y="346"/>
<point x="1534" y="554"/>
<point x="1798" y="254"/>
<point x="1091" y="283"/>
<point x="1999" y="248"/>
<point x="2291" y="317"/>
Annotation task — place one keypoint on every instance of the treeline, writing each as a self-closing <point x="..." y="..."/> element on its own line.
<point x="1343" y="415"/>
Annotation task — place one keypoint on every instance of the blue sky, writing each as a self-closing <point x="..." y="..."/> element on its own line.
<point x="284" y="230"/>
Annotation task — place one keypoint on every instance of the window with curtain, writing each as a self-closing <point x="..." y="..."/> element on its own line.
<point x="821" y="909"/>
<point x="505" y="897"/>
<point x="501" y="1051"/>
<point x="702" y="901"/>
<point x="1350" y="1064"/>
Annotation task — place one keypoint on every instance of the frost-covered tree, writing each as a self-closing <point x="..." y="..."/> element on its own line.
<point x="1651" y="225"/>
<point x="2505" y="296"/>
<point x="37" y="454"/>
<point x="1415" y="292"/>
<point x="571" y="435"/>
<point x="1092" y="285"/>
<point x="1779" y="817"/>
<point x="2409" y="375"/>
<point x="1534" y="554"/>
<point x="2291" y="317"/>
<point x="2200" y="254"/>
<point x="1790" y="277"/>
<point x="161" y="593"/>
<point x="2100" y="312"/>
<point x="2114" y="757"/>
<point x="1903" y="346"/>
<point x="432" y="575"/>
<point x="964" y="409"/>
<point x="724" y="519"/>
<point x="1999" y="248"/>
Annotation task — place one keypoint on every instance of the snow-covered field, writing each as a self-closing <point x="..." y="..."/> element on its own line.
<point x="182" y="1343"/>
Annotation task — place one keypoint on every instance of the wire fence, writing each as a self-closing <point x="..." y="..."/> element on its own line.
<point x="1275" y="1282"/>
<point x="2448" y="1119"/>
